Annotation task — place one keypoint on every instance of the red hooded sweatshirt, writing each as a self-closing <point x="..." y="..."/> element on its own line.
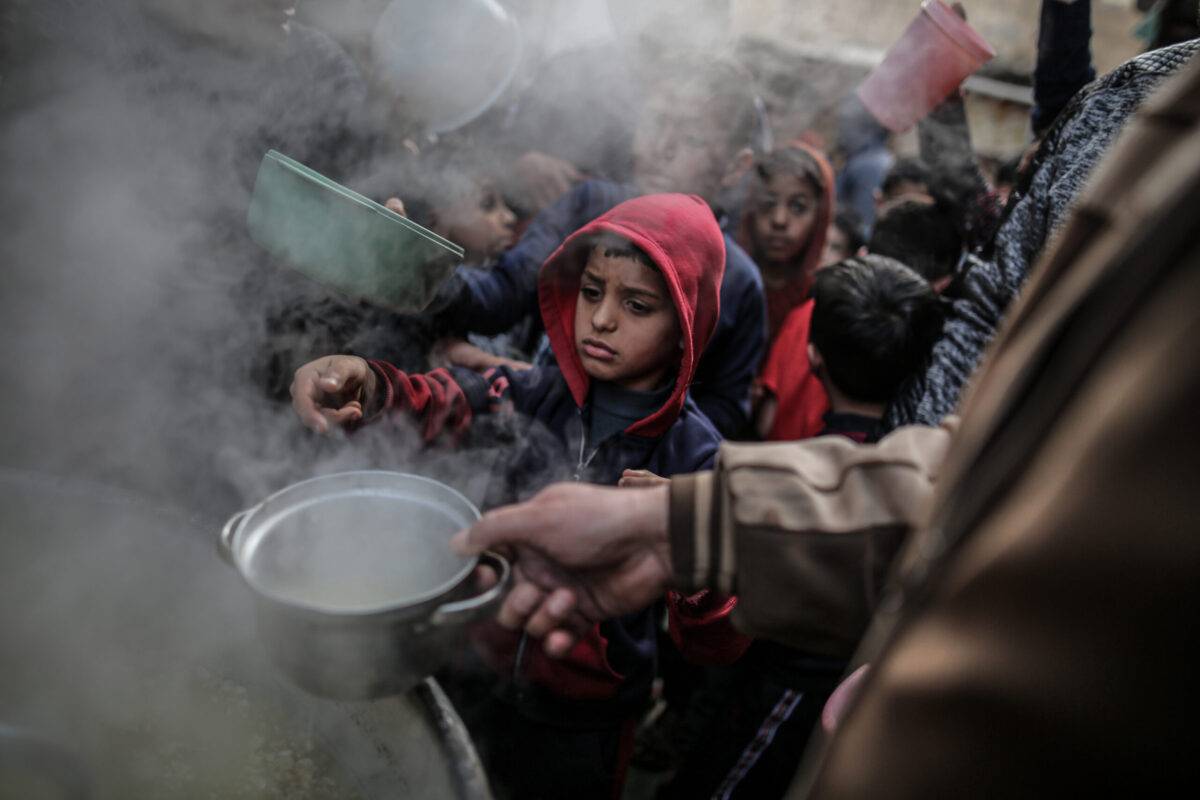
<point x="684" y="241"/>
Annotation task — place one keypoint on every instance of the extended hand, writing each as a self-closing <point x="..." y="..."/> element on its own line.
<point x="544" y="178"/>
<point x="461" y="353"/>
<point x="332" y="390"/>
<point x="583" y="554"/>
<point x="641" y="479"/>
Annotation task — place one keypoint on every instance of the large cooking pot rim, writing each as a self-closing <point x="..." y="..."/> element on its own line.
<point x="236" y="524"/>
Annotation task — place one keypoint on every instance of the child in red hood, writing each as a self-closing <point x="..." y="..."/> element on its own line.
<point x="784" y="227"/>
<point x="629" y="302"/>
<point x="784" y="224"/>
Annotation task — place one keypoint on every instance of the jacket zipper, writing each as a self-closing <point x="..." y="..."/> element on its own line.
<point x="582" y="464"/>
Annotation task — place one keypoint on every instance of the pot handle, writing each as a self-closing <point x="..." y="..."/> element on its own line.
<point x="225" y="540"/>
<point x="462" y="611"/>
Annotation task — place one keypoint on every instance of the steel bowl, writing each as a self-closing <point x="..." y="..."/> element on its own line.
<point x="358" y="594"/>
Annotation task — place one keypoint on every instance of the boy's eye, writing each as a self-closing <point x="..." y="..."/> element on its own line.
<point x="488" y="202"/>
<point x="590" y="292"/>
<point x="638" y="307"/>
<point x="799" y="206"/>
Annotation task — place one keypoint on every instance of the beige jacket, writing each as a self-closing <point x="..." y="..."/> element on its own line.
<point x="1040" y="634"/>
<point x="804" y="533"/>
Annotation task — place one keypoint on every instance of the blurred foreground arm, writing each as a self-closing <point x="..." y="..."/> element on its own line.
<point x="803" y="533"/>
<point x="586" y="553"/>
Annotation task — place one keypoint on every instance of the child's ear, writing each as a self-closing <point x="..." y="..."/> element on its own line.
<point x="741" y="163"/>
<point x="815" y="362"/>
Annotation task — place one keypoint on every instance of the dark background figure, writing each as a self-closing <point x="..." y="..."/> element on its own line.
<point x="862" y="143"/>
<point x="845" y="237"/>
<point x="1064" y="59"/>
<point x="1168" y="22"/>
<point x="1062" y="164"/>
<point x="921" y="233"/>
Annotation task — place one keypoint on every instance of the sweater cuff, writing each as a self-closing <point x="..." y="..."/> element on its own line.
<point x="374" y="407"/>
<point x="701" y="557"/>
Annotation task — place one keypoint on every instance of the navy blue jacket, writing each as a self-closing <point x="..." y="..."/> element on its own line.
<point x="609" y="672"/>
<point x="490" y="301"/>
<point x="553" y="429"/>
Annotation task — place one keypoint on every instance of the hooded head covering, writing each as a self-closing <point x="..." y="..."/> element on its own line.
<point x="782" y="299"/>
<point x="683" y="239"/>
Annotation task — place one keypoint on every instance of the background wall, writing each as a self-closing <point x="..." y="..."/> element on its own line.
<point x="807" y="54"/>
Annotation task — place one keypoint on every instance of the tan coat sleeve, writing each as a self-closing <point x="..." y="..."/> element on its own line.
<point x="1045" y="633"/>
<point x="804" y="532"/>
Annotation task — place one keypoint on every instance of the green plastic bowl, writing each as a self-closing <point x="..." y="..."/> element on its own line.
<point x="345" y="241"/>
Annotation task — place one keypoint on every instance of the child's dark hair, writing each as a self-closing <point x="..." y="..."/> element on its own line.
<point x="874" y="323"/>
<point x="921" y="234"/>
<point x="906" y="170"/>
<point x="790" y="161"/>
<point x="850" y="224"/>
<point x="1009" y="171"/>
<point x="613" y="246"/>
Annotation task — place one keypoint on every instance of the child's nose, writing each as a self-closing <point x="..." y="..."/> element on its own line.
<point x="604" y="317"/>
<point x="779" y="216"/>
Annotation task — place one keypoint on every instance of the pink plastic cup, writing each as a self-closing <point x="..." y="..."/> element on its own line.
<point x="936" y="52"/>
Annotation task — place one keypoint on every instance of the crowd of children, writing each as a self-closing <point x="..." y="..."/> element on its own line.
<point x="668" y="323"/>
<point x="721" y="294"/>
<point x="725" y="291"/>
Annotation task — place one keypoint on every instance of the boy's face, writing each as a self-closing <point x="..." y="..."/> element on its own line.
<point x="482" y="223"/>
<point x="785" y="210"/>
<point x="626" y="328"/>
<point x="837" y="247"/>
<point x="677" y="148"/>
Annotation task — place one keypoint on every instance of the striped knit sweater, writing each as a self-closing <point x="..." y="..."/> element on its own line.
<point x="1068" y="153"/>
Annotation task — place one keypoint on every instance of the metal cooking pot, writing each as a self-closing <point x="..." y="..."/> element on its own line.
<point x="446" y="63"/>
<point x="358" y="594"/>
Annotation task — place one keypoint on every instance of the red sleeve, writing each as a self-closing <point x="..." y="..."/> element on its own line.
<point x="583" y="674"/>
<point x="788" y="353"/>
<point x="700" y="627"/>
<point x="788" y="375"/>
<point x="434" y="398"/>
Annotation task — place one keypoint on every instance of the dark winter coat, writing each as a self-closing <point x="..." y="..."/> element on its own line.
<point x="492" y="301"/>
<point x="680" y="234"/>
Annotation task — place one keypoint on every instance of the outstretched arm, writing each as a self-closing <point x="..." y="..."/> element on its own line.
<point x="1064" y="59"/>
<point x="584" y="553"/>
<point x="333" y="390"/>
<point x="347" y="390"/>
<point x="767" y="524"/>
